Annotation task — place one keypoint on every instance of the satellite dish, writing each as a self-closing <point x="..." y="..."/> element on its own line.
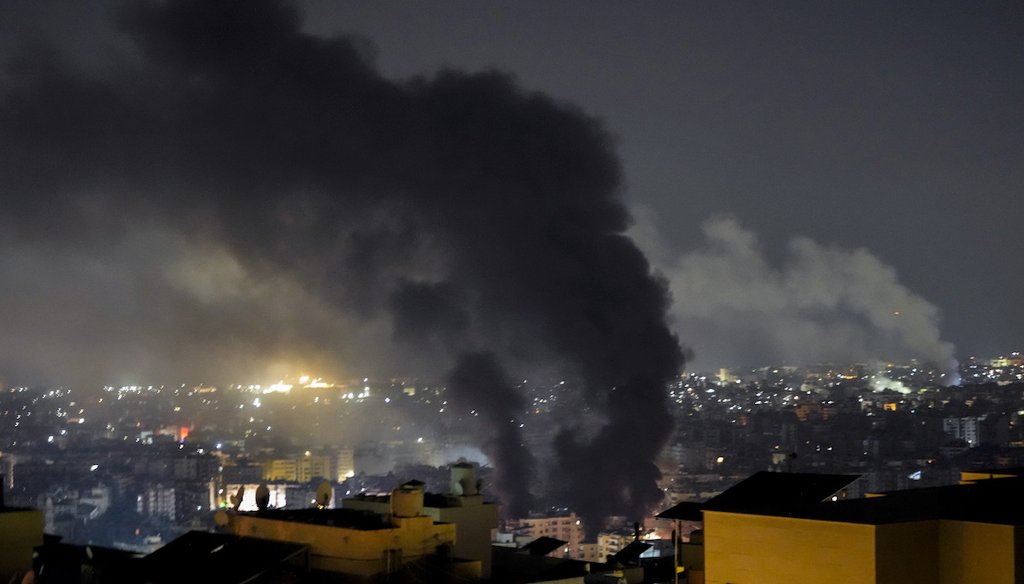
<point x="323" y="494"/>
<point x="236" y="499"/>
<point x="220" y="518"/>
<point x="262" y="497"/>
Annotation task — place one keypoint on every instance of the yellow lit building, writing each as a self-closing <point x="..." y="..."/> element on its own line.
<point x="312" y="466"/>
<point x="472" y="517"/>
<point x="973" y="476"/>
<point x="280" y="469"/>
<point x="20" y="531"/>
<point x="959" y="534"/>
<point x="356" y="542"/>
<point x="345" y="465"/>
<point x="610" y="543"/>
<point x="301" y="469"/>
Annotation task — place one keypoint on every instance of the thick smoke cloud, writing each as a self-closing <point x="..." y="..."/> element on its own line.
<point x="273" y="194"/>
<point x="820" y="304"/>
<point x="478" y="380"/>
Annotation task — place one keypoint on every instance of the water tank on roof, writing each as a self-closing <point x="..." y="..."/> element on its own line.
<point x="407" y="501"/>
<point x="464" y="479"/>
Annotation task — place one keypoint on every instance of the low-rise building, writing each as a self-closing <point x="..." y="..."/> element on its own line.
<point x="357" y="542"/>
<point x="20" y="531"/>
<point x="464" y="507"/>
<point x="781" y="527"/>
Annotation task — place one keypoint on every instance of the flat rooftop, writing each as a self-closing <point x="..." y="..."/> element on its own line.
<point x="434" y="500"/>
<point x="996" y="501"/>
<point x="218" y="557"/>
<point x="766" y="489"/>
<point x="347" y="518"/>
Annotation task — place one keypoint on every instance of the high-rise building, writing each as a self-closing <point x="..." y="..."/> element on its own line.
<point x="966" y="428"/>
<point x="564" y="526"/>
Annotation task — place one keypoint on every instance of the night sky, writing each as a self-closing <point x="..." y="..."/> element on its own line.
<point x="893" y="127"/>
<point x="815" y="181"/>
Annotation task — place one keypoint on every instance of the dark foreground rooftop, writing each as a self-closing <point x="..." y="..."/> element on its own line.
<point x="348" y="518"/>
<point x="772" y="489"/>
<point x="218" y="557"/>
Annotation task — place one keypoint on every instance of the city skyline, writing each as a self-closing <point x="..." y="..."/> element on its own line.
<point x="400" y="284"/>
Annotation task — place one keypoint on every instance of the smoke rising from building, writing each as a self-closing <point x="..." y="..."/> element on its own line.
<point x="235" y="190"/>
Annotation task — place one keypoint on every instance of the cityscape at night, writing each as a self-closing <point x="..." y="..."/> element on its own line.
<point x="306" y="291"/>
<point x="134" y="467"/>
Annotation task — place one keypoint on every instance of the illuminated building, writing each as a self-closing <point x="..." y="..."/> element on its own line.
<point x="781" y="527"/>
<point x="473" y="517"/>
<point x="278" y="495"/>
<point x="357" y="542"/>
<point x="567" y="528"/>
<point x="312" y="466"/>
<point x="157" y="500"/>
<point x="610" y="543"/>
<point x="20" y="531"/>
<point x="966" y="428"/>
<point x="300" y="469"/>
<point x="280" y="469"/>
<point x="345" y="464"/>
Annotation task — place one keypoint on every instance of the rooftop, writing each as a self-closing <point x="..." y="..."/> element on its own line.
<point x="543" y="546"/>
<point x="772" y="489"/>
<point x="218" y="557"/>
<point x="995" y="500"/>
<point x="434" y="500"/>
<point x="347" y="518"/>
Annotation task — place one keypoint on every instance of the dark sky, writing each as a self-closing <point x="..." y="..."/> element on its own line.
<point x="815" y="180"/>
<point x="897" y="127"/>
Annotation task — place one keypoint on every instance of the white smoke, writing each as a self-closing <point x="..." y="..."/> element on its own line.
<point x="733" y="307"/>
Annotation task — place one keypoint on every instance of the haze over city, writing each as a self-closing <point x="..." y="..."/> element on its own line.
<point x="608" y="249"/>
<point x="800" y="174"/>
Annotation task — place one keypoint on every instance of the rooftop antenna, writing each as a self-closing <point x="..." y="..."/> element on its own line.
<point x="262" y="497"/>
<point x="236" y="499"/>
<point x="323" y="494"/>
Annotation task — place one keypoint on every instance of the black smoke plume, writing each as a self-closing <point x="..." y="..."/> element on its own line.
<point x="479" y="382"/>
<point x="481" y="224"/>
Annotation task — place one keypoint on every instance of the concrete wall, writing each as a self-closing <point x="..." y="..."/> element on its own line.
<point x="907" y="553"/>
<point x="977" y="552"/>
<point x="353" y="551"/>
<point x="20" y="531"/>
<point x="473" y="525"/>
<point x="758" y="549"/>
